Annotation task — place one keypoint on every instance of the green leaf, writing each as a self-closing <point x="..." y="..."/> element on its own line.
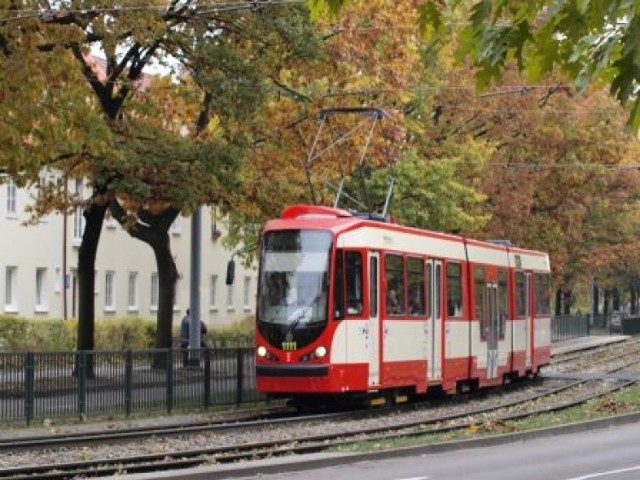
<point x="582" y="6"/>
<point x="430" y="20"/>
<point x="634" y="116"/>
<point x="480" y="13"/>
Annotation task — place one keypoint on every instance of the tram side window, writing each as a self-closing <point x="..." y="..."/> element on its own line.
<point x="394" y="275"/>
<point x="355" y="300"/>
<point x="522" y="303"/>
<point x="347" y="284"/>
<point x="478" y="275"/>
<point x="543" y="293"/>
<point x="415" y="273"/>
<point x="454" y="290"/>
<point x="503" y="308"/>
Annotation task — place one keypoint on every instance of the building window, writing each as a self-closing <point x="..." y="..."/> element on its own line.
<point x="41" y="290"/>
<point x="78" y="224"/>
<point x="246" y="297"/>
<point x="57" y="280"/>
<point x="109" y="291"/>
<point x="109" y="221"/>
<point x="12" y="193"/>
<point x="10" y="289"/>
<point x="154" y="291"/>
<point x="213" y="292"/>
<point x="229" y="297"/>
<point x="176" y="295"/>
<point x="176" y="226"/>
<point x="133" y="292"/>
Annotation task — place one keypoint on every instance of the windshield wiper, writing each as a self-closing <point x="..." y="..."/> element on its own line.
<point x="293" y="325"/>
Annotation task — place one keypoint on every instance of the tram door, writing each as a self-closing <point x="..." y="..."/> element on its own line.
<point x="434" y="269"/>
<point x="374" y="319"/>
<point x="492" y="337"/>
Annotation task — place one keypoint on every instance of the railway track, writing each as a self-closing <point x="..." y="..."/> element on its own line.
<point x="244" y="441"/>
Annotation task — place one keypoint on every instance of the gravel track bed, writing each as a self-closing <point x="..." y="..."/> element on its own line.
<point x="428" y="413"/>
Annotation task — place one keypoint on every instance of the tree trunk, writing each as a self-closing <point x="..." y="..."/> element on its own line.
<point x="616" y="300"/>
<point x="167" y="276"/>
<point x="558" y="307"/>
<point x="94" y="217"/>
<point x="153" y="229"/>
<point x="566" y="302"/>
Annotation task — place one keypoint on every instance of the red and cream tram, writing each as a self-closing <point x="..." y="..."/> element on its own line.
<point x="356" y="307"/>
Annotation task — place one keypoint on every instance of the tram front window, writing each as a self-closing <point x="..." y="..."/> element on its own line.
<point x="293" y="285"/>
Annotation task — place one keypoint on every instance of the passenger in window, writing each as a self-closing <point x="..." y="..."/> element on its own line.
<point x="416" y="307"/>
<point x="354" y="307"/>
<point x="393" y="304"/>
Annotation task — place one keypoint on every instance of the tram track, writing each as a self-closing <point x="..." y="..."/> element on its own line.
<point x="511" y="404"/>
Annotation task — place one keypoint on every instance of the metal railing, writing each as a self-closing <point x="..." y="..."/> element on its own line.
<point x="36" y="386"/>
<point x="566" y="327"/>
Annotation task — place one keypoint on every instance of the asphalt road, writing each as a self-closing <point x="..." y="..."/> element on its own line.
<point x="603" y="454"/>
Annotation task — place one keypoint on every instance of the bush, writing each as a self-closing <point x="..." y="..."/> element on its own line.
<point x="19" y="334"/>
<point x="128" y="333"/>
<point x="238" y="335"/>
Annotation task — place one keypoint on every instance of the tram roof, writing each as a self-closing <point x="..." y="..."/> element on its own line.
<point x="340" y="220"/>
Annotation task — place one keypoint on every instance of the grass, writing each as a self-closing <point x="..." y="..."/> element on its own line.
<point x="617" y="403"/>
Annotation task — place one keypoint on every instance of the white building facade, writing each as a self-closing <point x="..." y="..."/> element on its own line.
<point x="38" y="266"/>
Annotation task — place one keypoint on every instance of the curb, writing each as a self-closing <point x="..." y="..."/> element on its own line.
<point x="322" y="460"/>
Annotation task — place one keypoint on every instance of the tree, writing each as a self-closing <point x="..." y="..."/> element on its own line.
<point x="589" y="42"/>
<point x="373" y="60"/>
<point x="149" y="171"/>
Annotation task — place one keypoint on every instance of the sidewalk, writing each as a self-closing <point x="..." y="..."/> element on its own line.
<point x="583" y="343"/>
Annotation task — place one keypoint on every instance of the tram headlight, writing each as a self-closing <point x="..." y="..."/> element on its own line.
<point x="320" y="351"/>
<point x="261" y="351"/>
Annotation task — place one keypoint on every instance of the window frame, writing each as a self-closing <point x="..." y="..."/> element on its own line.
<point x="133" y="302"/>
<point x="41" y="290"/>
<point x="395" y="281"/>
<point x="110" y="291"/>
<point x="458" y="314"/>
<point x="420" y="308"/>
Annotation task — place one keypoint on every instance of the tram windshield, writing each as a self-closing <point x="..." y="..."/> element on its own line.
<point x="293" y="279"/>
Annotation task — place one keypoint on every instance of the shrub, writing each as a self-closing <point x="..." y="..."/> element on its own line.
<point x="238" y="335"/>
<point x="19" y="334"/>
<point x="127" y="333"/>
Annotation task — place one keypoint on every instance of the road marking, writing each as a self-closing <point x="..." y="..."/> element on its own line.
<point x="604" y="474"/>
<point x="414" y="478"/>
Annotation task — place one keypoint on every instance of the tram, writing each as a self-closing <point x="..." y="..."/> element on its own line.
<point x="351" y="307"/>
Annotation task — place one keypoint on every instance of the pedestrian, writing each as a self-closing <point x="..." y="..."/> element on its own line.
<point x="185" y="325"/>
<point x="184" y="338"/>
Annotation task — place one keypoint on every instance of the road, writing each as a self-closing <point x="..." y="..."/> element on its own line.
<point x="604" y="454"/>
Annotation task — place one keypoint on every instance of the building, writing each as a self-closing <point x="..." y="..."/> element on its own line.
<point x="39" y="262"/>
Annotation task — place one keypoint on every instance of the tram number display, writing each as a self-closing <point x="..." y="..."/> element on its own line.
<point x="288" y="346"/>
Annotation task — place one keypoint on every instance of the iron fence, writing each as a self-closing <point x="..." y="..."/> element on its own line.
<point x="36" y="386"/>
<point x="566" y="327"/>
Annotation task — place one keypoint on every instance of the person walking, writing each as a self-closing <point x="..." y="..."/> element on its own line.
<point x="185" y="325"/>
